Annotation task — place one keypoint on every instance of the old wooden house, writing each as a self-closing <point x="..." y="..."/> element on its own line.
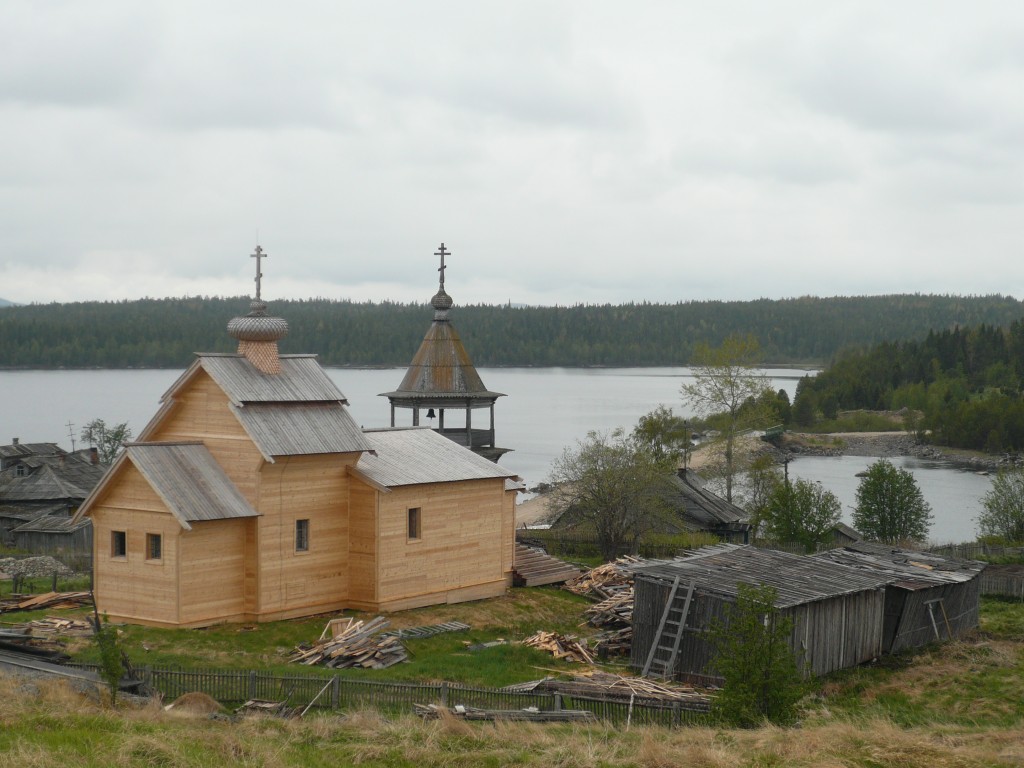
<point x="837" y="611"/>
<point x="252" y="495"/>
<point x="928" y="597"/>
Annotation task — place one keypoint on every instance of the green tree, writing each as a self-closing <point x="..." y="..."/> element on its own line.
<point x="610" y="483"/>
<point x="802" y="512"/>
<point x="663" y="433"/>
<point x="756" y="490"/>
<point x="111" y="658"/>
<point x="890" y="507"/>
<point x="761" y="680"/>
<point x="726" y="384"/>
<point x="1003" y="507"/>
<point x="108" y="441"/>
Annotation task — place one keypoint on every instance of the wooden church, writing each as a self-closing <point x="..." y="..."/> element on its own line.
<point x="252" y="495"/>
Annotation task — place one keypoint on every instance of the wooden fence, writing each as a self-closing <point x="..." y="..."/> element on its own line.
<point x="336" y="692"/>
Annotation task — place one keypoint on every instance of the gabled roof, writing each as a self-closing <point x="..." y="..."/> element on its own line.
<point x="903" y="567"/>
<point x="418" y="455"/>
<point x="796" y="579"/>
<point x="301" y="380"/>
<point x="28" y="512"/>
<point x="186" y="478"/>
<point x="295" y="429"/>
<point x="29" y="449"/>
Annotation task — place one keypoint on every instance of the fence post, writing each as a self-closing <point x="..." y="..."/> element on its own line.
<point x="252" y="684"/>
<point x="336" y="693"/>
<point x="676" y="714"/>
<point x="54" y="588"/>
<point x="147" y="676"/>
<point x="444" y="693"/>
<point x="557" y="701"/>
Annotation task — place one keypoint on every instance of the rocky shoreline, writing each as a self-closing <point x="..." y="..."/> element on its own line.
<point x="888" y="444"/>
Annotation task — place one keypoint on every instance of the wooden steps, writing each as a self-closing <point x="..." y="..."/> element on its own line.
<point x="533" y="568"/>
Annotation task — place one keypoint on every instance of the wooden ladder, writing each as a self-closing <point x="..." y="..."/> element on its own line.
<point x="662" y="656"/>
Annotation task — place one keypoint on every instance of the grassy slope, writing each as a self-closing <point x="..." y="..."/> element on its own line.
<point x="953" y="705"/>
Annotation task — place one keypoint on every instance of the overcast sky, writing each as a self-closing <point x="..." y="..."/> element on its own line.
<point x="566" y="152"/>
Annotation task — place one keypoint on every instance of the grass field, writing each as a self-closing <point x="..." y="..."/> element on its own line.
<point x="957" y="704"/>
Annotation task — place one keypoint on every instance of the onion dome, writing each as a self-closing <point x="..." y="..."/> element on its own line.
<point x="257" y="325"/>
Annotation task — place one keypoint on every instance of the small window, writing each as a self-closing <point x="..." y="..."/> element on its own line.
<point x="414" y="523"/>
<point x="20" y="471"/>
<point x="154" y="546"/>
<point x="302" y="535"/>
<point x="119" y="544"/>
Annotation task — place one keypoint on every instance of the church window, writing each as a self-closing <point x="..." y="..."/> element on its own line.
<point x="415" y="521"/>
<point x="119" y="544"/>
<point x="154" y="546"/>
<point x="302" y="535"/>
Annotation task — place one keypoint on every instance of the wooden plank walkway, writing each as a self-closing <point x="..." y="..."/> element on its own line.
<point x="534" y="568"/>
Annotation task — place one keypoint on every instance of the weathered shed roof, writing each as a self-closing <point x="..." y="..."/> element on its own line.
<point x="417" y="455"/>
<point x="19" y="449"/>
<point x="30" y="511"/>
<point x="52" y="524"/>
<point x="797" y="579"/>
<point x="301" y="380"/>
<point x="294" y="429"/>
<point x="189" y="481"/>
<point x="706" y="507"/>
<point x="903" y="567"/>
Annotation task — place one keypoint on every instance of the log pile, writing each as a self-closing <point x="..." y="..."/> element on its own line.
<point x="530" y="714"/>
<point x="566" y="647"/>
<point x="348" y="643"/>
<point x="615" y="612"/>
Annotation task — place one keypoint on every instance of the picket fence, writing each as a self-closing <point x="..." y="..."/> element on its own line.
<point x="336" y="692"/>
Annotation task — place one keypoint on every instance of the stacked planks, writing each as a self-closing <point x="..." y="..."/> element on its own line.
<point x="604" y="581"/>
<point x="47" y="600"/>
<point x="531" y="714"/>
<point x="351" y="643"/>
<point x="610" y="687"/>
<point x="615" y="615"/>
<point x="566" y="647"/>
<point x="534" y="567"/>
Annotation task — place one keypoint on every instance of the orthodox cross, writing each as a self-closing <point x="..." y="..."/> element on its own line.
<point x="71" y="434"/>
<point x="259" y="272"/>
<point x="442" y="252"/>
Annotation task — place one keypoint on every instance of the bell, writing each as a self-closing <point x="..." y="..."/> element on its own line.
<point x="431" y="414"/>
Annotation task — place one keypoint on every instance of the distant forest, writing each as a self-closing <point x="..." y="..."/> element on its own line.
<point x="962" y="387"/>
<point x="153" y="333"/>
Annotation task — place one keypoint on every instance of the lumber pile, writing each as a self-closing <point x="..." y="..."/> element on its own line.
<point x="604" y="581"/>
<point x="53" y="625"/>
<point x="606" y="686"/>
<point x="47" y="600"/>
<point x="348" y="643"/>
<point x="534" y="567"/>
<point x="428" y="631"/>
<point x="566" y="647"/>
<point x="530" y="714"/>
<point x="616" y="611"/>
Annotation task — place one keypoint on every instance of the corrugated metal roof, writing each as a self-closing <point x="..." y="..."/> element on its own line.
<point x="420" y="455"/>
<point x="301" y="380"/>
<point x="189" y="480"/>
<point x="441" y="368"/>
<point x="292" y="429"/>
<point x="797" y="579"/>
<point x="903" y="565"/>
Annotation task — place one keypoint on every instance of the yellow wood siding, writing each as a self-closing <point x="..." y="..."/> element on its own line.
<point x="460" y="546"/>
<point x="212" y="571"/>
<point x="362" y="550"/>
<point x="313" y="488"/>
<point x="133" y="587"/>
<point x="202" y="412"/>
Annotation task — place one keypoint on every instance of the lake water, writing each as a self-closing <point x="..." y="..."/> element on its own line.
<point x="546" y="410"/>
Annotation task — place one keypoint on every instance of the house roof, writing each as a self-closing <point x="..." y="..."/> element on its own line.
<point x="903" y="567"/>
<point x="417" y="455"/>
<point x="294" y="429"/>
<point x="301" y="380"/>
<point x="797" y="579"/>
<point x="705" y="507"/>
<point x="29" y="449"/>
<point x="49" y="478"/>
<point x="187" y="479"/>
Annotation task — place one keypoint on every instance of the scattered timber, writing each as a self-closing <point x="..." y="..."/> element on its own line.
<point x="606" y="580"/>
<point x="47" y="600"/>
<point x="606" y="686"/>
<point x="531" y="714"/>
<point x="566" y="647"/>
<point x="534" y="567"/>
<point x="428" y="631"/>
<point x="348" y="643"/>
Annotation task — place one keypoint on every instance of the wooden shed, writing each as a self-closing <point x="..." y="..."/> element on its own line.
<point x="54" y="534"/>
<point x="837" y="611"/>
<point x="928" y="598"/>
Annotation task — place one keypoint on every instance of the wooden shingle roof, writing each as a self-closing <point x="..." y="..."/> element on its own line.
<point x="294" y="429"/>
<point x="417" y="455"/>
<point x="188" y="480"/>
<point x="796" y="579"/>
<point x="903" y="567"/>
<point x="49" y="478"/>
